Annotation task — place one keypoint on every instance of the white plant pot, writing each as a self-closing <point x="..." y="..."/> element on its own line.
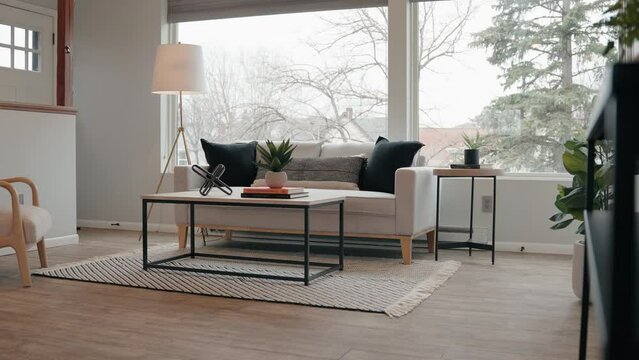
<point x="578" y="267"/>
<point x="275" y="180"/>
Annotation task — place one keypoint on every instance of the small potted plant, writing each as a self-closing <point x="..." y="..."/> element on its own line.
<point x="571" y="200"/>
<point x="274" y="160"/>
<point x="473" y="144"/>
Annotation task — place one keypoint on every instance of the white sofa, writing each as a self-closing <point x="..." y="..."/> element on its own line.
<point x="408" y="213"/>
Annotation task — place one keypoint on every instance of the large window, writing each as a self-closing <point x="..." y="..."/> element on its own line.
<point x="521" y="73"/>
<point x="306" y="76"/>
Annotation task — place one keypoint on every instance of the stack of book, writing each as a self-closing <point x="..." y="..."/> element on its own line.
<point x="264" y="192"/>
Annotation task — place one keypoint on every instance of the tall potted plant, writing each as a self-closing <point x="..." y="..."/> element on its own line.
<point x="274" y="160"/>
<point x="571" y="200"/>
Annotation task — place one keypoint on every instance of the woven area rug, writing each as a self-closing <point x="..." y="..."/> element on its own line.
<point x="366" y="284"/>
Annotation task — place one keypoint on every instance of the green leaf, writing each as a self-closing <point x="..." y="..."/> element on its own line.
<point x="561" y="225"/>
<point x="557" y="217"/>
<point x="581" y="229"/>
<point x="575" y="145"/>
<point x="575" y="161"/>
<point x="576" y="199"/>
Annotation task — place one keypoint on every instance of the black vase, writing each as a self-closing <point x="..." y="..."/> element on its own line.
<point x="471" y="157"/>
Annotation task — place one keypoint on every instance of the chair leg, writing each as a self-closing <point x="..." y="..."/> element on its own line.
<point x="21" y="253"/>
<point x="182" y="232"/>
<point x="42" y="253"/>
<point x="430" y="239"/>
<point x="406" y="243"/>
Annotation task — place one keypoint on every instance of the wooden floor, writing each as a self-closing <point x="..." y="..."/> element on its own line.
<point x="521" y="308"/>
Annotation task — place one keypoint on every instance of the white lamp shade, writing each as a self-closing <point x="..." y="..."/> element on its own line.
<point x="178" y="68"/>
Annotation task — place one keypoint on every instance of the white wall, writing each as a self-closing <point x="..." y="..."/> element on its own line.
<point x="42" y="147"/>
<point x="524" y="205"/>
<point x="49" y="4"/>
<point x="118" y="117"/>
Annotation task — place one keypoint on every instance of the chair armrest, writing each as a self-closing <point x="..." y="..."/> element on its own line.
<point x="415" y="196"/>
<point x="16" y="222"/>
<point x="34" y="189"/>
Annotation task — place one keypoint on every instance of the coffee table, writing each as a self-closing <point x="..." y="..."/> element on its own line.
<point x="217" y="198"/>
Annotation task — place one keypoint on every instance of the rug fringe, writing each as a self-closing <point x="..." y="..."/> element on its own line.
<point x="423" y="290"/>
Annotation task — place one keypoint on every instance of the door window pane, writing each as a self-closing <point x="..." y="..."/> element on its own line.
<point x="5" y="34"/>
<point x="19" y="60"/>
<point x="34" y="40"/>
<point x="18" y="37"/>
<point x="34" y="62"/>
<point x="5" y="57"/>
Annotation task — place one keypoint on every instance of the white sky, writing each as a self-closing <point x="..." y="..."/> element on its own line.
<point x="454" y="91"/>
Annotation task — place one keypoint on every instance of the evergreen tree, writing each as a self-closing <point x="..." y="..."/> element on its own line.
<point x="550" y="56"/>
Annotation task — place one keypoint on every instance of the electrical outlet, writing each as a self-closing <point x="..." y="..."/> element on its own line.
<point x="21" y="199"/>
<point x="486" y="204"/>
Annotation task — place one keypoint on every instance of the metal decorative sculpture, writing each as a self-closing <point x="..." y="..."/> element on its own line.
<point x="212" y="179"/>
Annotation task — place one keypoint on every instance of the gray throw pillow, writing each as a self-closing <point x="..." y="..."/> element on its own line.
<point x="344" y="169"/>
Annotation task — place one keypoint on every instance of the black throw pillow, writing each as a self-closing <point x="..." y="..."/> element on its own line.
<point x="239" y="160"/>
<point x="387" y="157"/>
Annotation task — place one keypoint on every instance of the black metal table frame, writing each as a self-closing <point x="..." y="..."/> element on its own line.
<point x="469" y="243"/>
<point x="307" y="278"/>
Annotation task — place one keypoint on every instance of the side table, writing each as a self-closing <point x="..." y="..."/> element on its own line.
<point x="472" y="174"/>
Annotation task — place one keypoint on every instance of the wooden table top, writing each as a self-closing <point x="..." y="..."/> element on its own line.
<point x="216" y="196"/>
<point x="467" y="172"/>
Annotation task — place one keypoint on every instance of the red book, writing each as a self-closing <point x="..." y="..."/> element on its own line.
<point x="268" y="190"/>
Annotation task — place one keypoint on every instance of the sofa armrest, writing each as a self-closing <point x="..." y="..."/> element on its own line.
<point x="415" y="200"/>
<point x="184" y="179"/>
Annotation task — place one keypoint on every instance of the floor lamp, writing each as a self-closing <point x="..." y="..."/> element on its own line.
<point x="179" y="70"/>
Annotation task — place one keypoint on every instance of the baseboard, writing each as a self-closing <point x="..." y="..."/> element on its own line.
<point x="536" y="248"/>
<point x="528" y="247"/>
<point x="132" y="226"/>
<point x="48" y="242"/>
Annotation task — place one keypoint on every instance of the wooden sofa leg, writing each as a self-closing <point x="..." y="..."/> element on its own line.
<point x="42" y="253"/>
<point x="21" y="253"/>
<point x="182" y="232"/>
<point x="430" y="239"/>
<point x="228" y="234"/>
<point x="406" y="243"/>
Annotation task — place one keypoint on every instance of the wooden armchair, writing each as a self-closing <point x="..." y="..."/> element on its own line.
<point x="23" y="225"/>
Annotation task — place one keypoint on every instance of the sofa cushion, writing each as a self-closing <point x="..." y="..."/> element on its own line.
<point x="342" y="169"/>
<point x="365" y="202"/>
<point x="303" y="149"/>
<point x="36" y="222"/>
<point x="387" y="157"/>
<point x="347" y="149"/>
<point x="239" y="160"/>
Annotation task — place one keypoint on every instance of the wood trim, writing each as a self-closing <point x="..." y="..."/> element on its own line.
<point x="51" y="109"/>
<point x="64" y="41"/>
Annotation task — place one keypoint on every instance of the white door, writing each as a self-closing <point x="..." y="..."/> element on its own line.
<point x="27" y="65"/>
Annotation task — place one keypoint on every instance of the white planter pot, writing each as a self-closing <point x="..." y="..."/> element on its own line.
<point x="578" y="267"/>
<point x="275" y="180"/>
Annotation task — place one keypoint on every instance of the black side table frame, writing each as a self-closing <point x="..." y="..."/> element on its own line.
<point x="469" y="243"/>
<point x="306" y="278"/>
